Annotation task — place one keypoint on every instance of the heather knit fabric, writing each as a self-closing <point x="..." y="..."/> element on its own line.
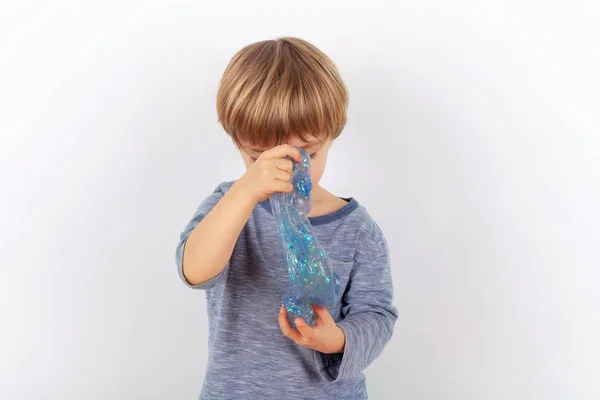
<point x="249" y="358"/>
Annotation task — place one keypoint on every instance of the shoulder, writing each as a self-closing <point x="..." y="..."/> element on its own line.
<point x="369" y="230"/>
<point x="212" y="199"/>
<point x="223" y="187"/>
<point x="360" y="228"/>
<point x="360" y="219"/>
<point x="371" y="245"/>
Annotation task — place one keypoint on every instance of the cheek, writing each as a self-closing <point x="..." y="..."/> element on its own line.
<point x="316" y="170"/>
<point x="247" y="162"/>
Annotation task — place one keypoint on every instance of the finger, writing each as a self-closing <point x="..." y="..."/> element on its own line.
<point x="283" y="175"/>
<point x="284" y="164"/>
<point x="282" y="186"/>
<point x="282" y="151"/>
<point x="286" y="327"/>
<point x="323" y="314"/>
<point x="306" y="331"/>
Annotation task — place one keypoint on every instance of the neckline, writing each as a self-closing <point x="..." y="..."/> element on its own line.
<point x="326" y="218"/>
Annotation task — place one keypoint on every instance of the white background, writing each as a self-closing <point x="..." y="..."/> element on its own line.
<point x="473" y="140"/>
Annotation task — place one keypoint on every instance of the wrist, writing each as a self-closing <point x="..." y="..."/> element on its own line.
<point x="244" y="193"/>
<point x="340" y="340"/>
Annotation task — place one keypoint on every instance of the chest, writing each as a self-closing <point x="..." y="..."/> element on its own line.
<point x="258" y="262"/>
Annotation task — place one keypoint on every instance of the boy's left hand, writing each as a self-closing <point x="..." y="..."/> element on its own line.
<point x="325" y="336"/>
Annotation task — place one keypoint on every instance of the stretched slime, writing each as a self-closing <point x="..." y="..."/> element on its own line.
<point x="312" y="279"/>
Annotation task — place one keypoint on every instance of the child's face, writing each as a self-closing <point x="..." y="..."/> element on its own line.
<point x="315" y="147"/>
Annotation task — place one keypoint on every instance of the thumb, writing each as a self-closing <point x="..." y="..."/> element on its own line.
<point x="322" y="314"/>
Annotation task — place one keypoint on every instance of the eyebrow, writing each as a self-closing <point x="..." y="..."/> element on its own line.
<point x="307" y="145"/>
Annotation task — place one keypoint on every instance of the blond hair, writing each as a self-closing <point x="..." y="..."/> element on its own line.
<point x="274" y="90"/>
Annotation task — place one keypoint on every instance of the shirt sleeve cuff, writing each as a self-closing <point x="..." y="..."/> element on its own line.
<point x="204" y="285"/>
<point x="339" y="366"/>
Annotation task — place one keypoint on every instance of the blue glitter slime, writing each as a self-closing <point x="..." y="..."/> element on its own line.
<point x="312" y="279"/>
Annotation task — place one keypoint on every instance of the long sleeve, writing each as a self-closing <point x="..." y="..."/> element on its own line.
<point x="368" y="314"/>
<point x="205" y="207"/>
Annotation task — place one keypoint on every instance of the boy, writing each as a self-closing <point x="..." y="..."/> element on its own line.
<point x="275" y="96"/>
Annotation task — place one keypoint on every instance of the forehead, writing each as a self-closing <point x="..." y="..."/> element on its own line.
<point x="310" y="141"/>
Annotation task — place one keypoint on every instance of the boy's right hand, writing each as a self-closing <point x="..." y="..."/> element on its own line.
<point x="270" y="173"/>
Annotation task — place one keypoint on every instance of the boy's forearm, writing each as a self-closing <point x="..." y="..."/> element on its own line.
<point x="209" y="246"/>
